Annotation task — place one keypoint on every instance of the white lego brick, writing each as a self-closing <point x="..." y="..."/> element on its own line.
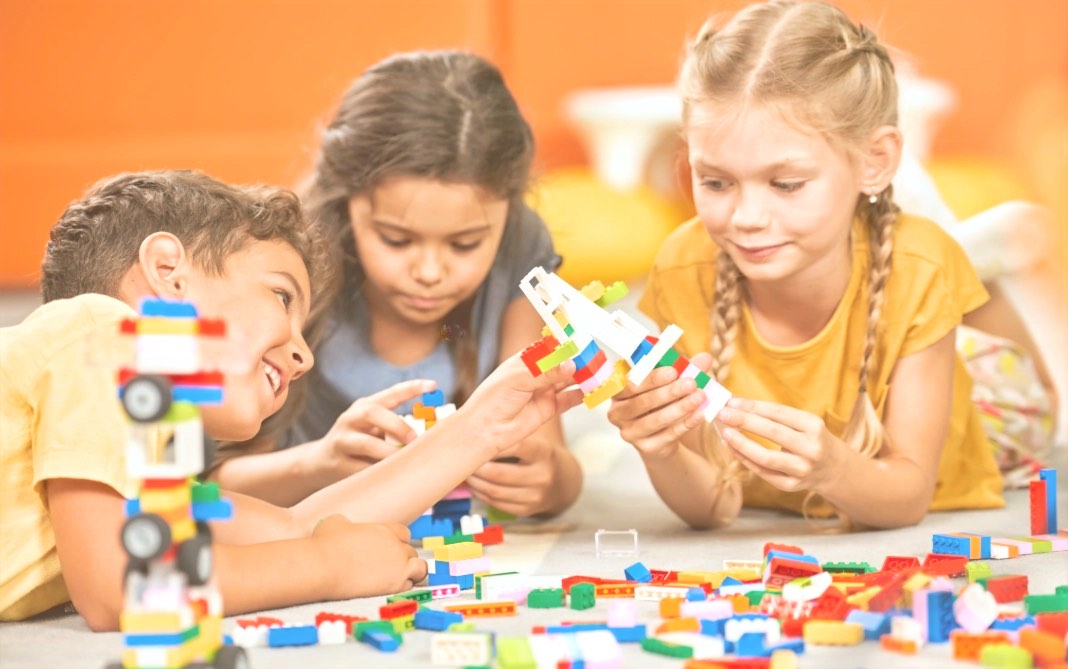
<point x="460" y="649"/>
<point x="710" y="609"/>
<point x="807" y="589"/>
<point x="657" y="592"/>
<point x="704" y="647"/>
<point x="907" y="628"/>
<point x="665" y="343"/>
<point x="252" y="636"/>
<point x="167" y="354"/>
<point x="736" y="627"/>
<point x="332" y="632"/>
<point x="622" y="613"/>
<point x="599" y="648"/>
<point x="472" y="524"/>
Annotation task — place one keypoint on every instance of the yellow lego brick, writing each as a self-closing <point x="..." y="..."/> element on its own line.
<point x="713" y="577"/>
<point x="593" y="291"/>
<point x="154" y="622"/>
<point x="861" y="599"/>
<point x="783" y="659"/>
<point x="162" y="501"/>
<point x="431" y="543"/>
<point x="167" y="326"/>
<point x="612" y="293"/>
<point x="915" y="582"/>
<point x="461" y="551"/>
<point x="610" y="388"/>
<point x="833" y="633"/>
<point x="182" y="530"/>
<point x="403" y="624"/>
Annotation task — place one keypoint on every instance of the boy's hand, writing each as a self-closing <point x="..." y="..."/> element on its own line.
<point x="810" y="457"/>
<point x="511" y="403"/>
<point x="656" y="414"/>
<point x="522" y="487"/>
<point x="357" y="438"/>
<point x="366" y="560"/>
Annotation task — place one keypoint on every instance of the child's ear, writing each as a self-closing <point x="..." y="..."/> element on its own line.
<point x="881" y="159"/>
<point x="165" y="265"/>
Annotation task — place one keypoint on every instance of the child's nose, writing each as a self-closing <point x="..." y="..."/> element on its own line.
<point x="428" y="267"/>
<point x="749" y="213"/>
<point x="303" y="359"/>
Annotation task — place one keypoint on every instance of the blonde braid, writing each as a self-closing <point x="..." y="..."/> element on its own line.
<point x="726" y="311"/>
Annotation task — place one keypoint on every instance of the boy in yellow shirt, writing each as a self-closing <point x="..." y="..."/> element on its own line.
<point x="245" y="255"/>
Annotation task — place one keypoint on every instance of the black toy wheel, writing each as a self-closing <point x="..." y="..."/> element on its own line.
<point x="231" y="657"/>
<point x="209" y="453"/>
<point x="147" y="398"/>
<point x="146" y="536"/>
<point x="194" y="559"/>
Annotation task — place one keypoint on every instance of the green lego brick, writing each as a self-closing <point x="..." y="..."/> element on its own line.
<point x="977" y="570"/>
<point x="678" y="651"/>
<point x="205" y="492"/>
<point x="848" y="567"/>
<point x="568" y="330"/>
<point x="513" y="652"/>
<point x="1046" y="603"/>
<point x="668" y="359"/>
<point x="1037" y="545"/>
<point x="702" y="379"/>
<point x="755" y="596"/>
<point x="583" y="596"/>
<point x="545" y="598"/>
<point x="563" y="352"/>
<point x="361" y="628"/>
<point x="1005" y="656"/>
<point x="611" y="294"/>
<point x="414" y="595"/>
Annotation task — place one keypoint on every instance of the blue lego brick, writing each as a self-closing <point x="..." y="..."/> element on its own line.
<point x="638" y="572"/>
<point x="940" y="618"/>
<point x="797" y="645"/>
<point x="435" y="398"/>
<point x="575" y="629"/>
<point x="452" y="507"/>
<point x="751" y="644"/>
<point x="729" y="580"/>
<point x="428" y="526"/>
<point x="168" y="639"/>
<point x="133" y="507"/>
<point x="1013" y="624"/>
<point x="984" y="544"/>
<point x="197" y="394"/>
<point x="298" y="635"/>
<point x="629" y="634"/>
<point x="643" y="349"/>
<point x="220" y="510"/>
<point x="950" y="545"/>
<point x="790" y="556"/>
<point x="150" y="307"/>
<point x="696" y="595"/>
<point x="1050" y="477"/>
<point x="875" y="624"/>
<point x="465" y="582"/>
<point x="583" y="358"/>
<point x="713" y="627"/>
<point x="438" y="621"/>
<point x="387" y="643"/>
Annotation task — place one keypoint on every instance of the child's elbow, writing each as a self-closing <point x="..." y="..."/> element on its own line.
<point x="101" y="616"/>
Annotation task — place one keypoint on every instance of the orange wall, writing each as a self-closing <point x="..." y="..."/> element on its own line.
<point x="238" y="88"/>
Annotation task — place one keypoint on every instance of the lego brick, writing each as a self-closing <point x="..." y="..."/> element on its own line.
<point x="462" y="551"/>
<point x="483" y="609"/>
<point x="1008" y="588"/>
<point x="1005" y="655"/>
<point x="453" y="649"/>
<point x="654" y="645"/>
<point x="1039" y="517"/>
<point x="833" y="633"/>
<point x="537" y="351"/>
<point x="638" y="572"/>
<point x="968" y="646"/>
<point x="297" y="635"/>
<point x="382" y="641"/>
<point x="430" y="619"/>
<point x="1049" y="475"/>
<point x="545" y="598"/>
<point x="434" y="398"/>
<point x="582" y="596"/>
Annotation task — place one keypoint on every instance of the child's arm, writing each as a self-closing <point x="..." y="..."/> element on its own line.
<point x="356" y="441"/>
<point x="334" y="559"/>
<point x="546" y="478"/>
<point x="891" y="490"/>
<point x="660" y="418"/>
<point x="509" y="405"/>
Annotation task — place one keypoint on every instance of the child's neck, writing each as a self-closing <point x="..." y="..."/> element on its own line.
<point x="400" y="342"/>
<point x="792" y="312"/>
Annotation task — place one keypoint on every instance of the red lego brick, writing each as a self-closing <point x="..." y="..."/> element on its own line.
<point x="491" y="535"/>
<point x="398" y="609"/>
<point x="536" y="351"/>
<point x="326" y="616"/>
<point x="940" y="564"/>
<point x="901" y="563"/>
<point x="1054" y="622"/>
<point x="1011" y="588"/>
<point x="589" y="370"/>
<point x="782" y="548"/>
<point x="211" y="327"/>
<point x="1038" y="507"/>
<point x="681" y="364"/>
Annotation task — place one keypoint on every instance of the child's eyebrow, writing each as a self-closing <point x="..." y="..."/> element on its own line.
<point x="396" y="227"/>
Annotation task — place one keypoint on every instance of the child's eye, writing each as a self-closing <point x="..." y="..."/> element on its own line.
<point x="787" y="186"/>
<point x="395" y="242"/>
<point x="284" y="297"/>
<point x="464" y="247"/>
<point x="713" y="184"/>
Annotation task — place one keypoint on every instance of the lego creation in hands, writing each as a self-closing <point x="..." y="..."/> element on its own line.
<point x="609" y="348"/>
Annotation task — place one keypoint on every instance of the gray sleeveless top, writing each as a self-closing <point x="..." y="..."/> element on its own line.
<point x="348" y="368"/>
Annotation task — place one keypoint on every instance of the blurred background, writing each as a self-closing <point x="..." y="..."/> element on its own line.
<point x="240" y="89"/>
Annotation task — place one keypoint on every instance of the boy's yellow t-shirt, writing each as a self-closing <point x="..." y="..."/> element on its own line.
<point x="931" y="286"/>
<point x="59" y="418"/>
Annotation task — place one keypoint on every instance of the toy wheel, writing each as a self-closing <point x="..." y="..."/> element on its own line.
<point x="194" y="559"/>
<point x="146" y="536"/>
<point x="231" y="657"/>
<point x="135" y="566"/>
<point x="147" y="398"/>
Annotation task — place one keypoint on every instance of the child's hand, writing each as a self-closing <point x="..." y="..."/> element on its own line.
<point x="810" y="457"/>
<point x="357" y="438"/>
<point x="366" y="560"/>
<point x="511" y="403"/>
<point x="653" y="416"/>
<point x="522" y="485"/>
